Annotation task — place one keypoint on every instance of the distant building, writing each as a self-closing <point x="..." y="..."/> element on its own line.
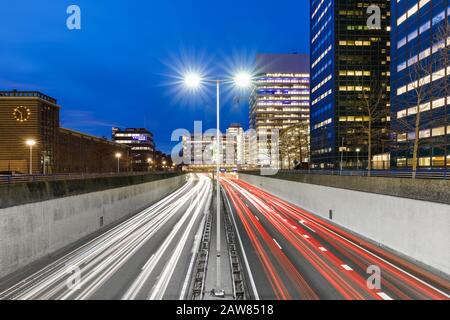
<point x="26" y="115"/>
<point x="420" y="83"/>
<point x="142" y="146"/>
<point x="235" y="130"/>
<point x="200" y="151"/>
<point x="350" y="61"/>
<point x="279" y="100"/>
<point x="79" y="152"/>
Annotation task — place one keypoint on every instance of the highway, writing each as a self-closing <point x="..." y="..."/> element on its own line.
<point x="289" y="253"/>
<point x="149" y="256"/>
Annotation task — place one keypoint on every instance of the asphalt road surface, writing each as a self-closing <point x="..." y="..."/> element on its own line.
<point x="291" y="254"/>
<point x="149" y="256"/>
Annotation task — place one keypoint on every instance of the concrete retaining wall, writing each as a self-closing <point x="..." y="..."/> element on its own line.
<point x="418" y="229"/>
<point x="32" y="231"/>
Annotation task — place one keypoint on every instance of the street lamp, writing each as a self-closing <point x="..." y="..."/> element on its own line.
<point x="193" y="81"/>
<point x="118" y="156"/>
<point x="358" y="150"/>
<point x="150" y="163"/>
<point x="31" y="143"/>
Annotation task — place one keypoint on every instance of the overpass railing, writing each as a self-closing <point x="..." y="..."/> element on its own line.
<point x="7" y="179"/>
<point x="420" y="174"/>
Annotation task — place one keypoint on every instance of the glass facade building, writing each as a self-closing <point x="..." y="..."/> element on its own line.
<point x="350" y="61"/>
<point x="420" y="87"/>
<point x="279" y="100"/>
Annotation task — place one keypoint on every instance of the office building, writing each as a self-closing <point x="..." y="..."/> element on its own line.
<point x="350" y="61"/>
<point x="279" y="100"/>
<point x="142" y="146"/>
<point x="33" y="116"/>
<point x="420" y="96"/>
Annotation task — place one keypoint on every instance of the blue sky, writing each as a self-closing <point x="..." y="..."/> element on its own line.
<point x="120" y="69"/>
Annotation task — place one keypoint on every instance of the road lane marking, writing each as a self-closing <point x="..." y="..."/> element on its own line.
<point x="323" y="249"/>
<point x="256" y="217"/>
<point x="346" y="267"/>
<point x="305" y="236"/>
<point x="278" y="244"/>
<point x="384" y="296"/>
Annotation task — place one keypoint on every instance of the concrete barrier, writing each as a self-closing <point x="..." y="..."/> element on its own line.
<point x="418" y="229"/>
<point x="32" y="231"/>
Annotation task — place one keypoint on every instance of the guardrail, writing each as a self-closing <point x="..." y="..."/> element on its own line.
<point x="7" y="179"/>
<point x="420" y="174"/>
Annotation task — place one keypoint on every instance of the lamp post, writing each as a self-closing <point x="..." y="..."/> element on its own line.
<point x="31" y="143"/>
<point x="118" y="156"/>
<point x="150" y="163"/>
<point x="193" y="81"/>
<point x="358" y="150"/>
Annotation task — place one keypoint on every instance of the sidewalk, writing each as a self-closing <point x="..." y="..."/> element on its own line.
<point x="226" y="282"/>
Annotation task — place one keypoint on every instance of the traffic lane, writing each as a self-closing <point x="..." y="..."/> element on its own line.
<point x="400" y="283"/>
<point x="118" y="284"/>
<point x="281" y="278"/>
<point x="264" y="290"/>
<point x="50" y="282"/>
<point x="396" y="283"/>
<point x="319" y="282"/>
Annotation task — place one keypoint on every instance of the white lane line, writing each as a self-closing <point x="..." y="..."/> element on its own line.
<point x="256" y="217"/>
<point x="303" y="223"/>
<point x="384" y="296"/>
<point x="375" y="255"/>
<point x="323" y="249"/>
<point x="277" y="244"/>
<point x="346" y="267"/>
<point x="244" y="255"/>
<point x="148" y="262"/>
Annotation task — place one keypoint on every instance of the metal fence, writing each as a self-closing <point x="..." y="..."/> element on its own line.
<point x="420" y="174"/>
<point x="7" y="179"/>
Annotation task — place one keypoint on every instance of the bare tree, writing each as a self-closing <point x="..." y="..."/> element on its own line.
<point x="294" y="141"/>
<point x="374" y="107"/>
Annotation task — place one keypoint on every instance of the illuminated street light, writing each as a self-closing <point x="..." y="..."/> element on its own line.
<point x="358" y="150"/>
<point x="31" y="143"/>
<point x="241" y="80"/>
<point x="118" y="156"/>
<point x="192" y="80"/>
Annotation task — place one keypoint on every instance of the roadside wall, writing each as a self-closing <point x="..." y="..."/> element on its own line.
<point x="416" y="228"/>
<point x="32" y="231"/>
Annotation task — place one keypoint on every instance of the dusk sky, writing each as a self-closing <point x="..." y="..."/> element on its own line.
<point x="120" y="68"/>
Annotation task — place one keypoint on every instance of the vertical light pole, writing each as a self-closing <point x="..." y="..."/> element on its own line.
<point x="342" y="154"/>
<point x="358" y="150"/>
<point x="118" y="156"/>
<point x="192" y="81"/>
<point x="31" y="143"/>
<point x="150" y="164"/>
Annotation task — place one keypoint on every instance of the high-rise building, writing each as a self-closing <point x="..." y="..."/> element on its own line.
<point x="350" y="60"/>
<point x="279" y="100"/>
<point x="142" y="146"/>
<point x="420" y="96"/>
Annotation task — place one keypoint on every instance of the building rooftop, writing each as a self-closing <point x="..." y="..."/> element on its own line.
<point x="282" y="63"/>
<point x="26" y="94"/>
